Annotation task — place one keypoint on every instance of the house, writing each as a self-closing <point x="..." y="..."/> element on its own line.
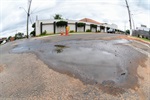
<point x="51" y="26"/>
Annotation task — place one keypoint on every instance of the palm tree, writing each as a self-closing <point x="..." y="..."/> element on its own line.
<point x="58" y="16"/>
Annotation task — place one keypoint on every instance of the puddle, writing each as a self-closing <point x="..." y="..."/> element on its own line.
<point x="120" y="41"/>
<point x="20" y="49"/>
<point x="89" y="62"/>
<point x="59" y="48"/>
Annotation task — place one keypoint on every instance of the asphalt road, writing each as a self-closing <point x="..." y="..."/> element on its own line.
<point x="93" y="58"/>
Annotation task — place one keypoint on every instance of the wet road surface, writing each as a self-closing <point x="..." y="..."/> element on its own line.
<point x="91" y="58"/>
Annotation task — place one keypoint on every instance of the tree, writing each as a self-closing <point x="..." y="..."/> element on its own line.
<point x="127" y="31"/>
<point x="33" y="32"/>
<point x="58" y="16"/>
<point x="19" y="35"/>
<point x="33" y="25"/>
<point x="8" y="39"/>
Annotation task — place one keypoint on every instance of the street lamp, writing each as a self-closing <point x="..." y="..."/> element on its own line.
<point x="28" y="15"/>
<point x="129" y="13"/>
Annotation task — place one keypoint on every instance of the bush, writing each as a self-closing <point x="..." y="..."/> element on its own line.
<point x="98" y="31"/>
<point x="128" y="31"/>
<point x="61" y="23"/>
<point x="88" y="30"/>
<point x="44" y="33"/>
<point x="71" y="31"/>
<point x="32" y="33"/>
<point x="93" y="26"/>
<point x="80" y="24"/>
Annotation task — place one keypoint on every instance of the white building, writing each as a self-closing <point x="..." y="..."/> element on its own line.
<point x="50" y="26"/>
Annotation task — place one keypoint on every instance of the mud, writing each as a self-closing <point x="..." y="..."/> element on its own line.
<point x="1" y="68"/>
<point x="92" y="61"/>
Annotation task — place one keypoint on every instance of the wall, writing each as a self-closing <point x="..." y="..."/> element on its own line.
<point x="80" y="29"/>
<point x="48" y="26"/>
<point x="87" y="27"/>
<point x="72" y="27"/>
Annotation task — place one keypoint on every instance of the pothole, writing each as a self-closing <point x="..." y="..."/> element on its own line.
<point x="59" y="48"/>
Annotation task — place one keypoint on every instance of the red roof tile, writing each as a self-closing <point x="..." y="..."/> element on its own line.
<point x="89" y="20"/>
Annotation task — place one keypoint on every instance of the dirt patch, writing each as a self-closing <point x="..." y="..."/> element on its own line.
<point x="133" y="38"/>
<point x="110" y="87"/>
<point x="1" y="68"/>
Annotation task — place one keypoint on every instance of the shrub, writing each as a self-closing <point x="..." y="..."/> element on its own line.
<point x="32" y="33"/>
<point x="93" y="26"/>
<point x="88" y="30"/>
<point x="128" y="31"/>
<point x="61" y="23"/>
<point x="80" y="24"/>
<point x="71" y="31"/>
<point x="98" y="31"/>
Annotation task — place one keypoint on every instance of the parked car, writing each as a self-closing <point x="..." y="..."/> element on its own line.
<point x="111" y="30"/>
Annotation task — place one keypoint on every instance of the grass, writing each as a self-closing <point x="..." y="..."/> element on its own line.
<point x="145" y="39"/>
<point x="142" y="39"/>
<point x="51" y="34"/>
<point x="47" y="35"/>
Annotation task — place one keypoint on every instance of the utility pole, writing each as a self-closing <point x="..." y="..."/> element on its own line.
<point x="129" y="17"/>
<point x="28" y="15"/>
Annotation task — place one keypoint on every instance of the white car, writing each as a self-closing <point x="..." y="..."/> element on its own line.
<point x="111" y="30"/>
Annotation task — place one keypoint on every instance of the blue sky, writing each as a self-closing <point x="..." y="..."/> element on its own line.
<point x="13" y="19"/>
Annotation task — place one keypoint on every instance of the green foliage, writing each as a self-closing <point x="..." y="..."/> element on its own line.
<point x="32" y="33"/>
<point x="128" y="31"/>
<point x="44" y="33"/>
<point x="58" y="16"/>
<point x="33" y="25"/>
<point x="19" y="35"/>
<point x="98" y="31"/>
<point x="93" y="25"/>
<point x="71" y="31"/>
<point x="88" y="30"/>
<point x="80" y="24"/>
<point x="9" y="38"/>
<point x="61" y="23"/>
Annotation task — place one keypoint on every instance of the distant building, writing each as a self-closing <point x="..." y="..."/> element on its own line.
<point x="142" y="32"/>
<point x="50" y="26"/>
<point x="143" y="27"/>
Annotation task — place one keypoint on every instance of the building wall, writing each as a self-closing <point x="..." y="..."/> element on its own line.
<point x="60" y="29"/>
<point x="87" y="27"/>
<point x="72" y="27"/>
<point x="48" y="26"/>
<point x="37" y="29"/>
<point x="80" y="29"/>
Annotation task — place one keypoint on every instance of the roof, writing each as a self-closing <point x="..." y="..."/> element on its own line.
<point x="89" y="20"/>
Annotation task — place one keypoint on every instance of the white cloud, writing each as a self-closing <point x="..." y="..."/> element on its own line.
<point x="112" y="11"/>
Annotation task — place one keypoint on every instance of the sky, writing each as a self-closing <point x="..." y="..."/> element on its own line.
<point x="13" y="12"/>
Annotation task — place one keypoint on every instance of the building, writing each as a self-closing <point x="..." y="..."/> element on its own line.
<point x="50" y="26"/>
<point x="142" y="32"/>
